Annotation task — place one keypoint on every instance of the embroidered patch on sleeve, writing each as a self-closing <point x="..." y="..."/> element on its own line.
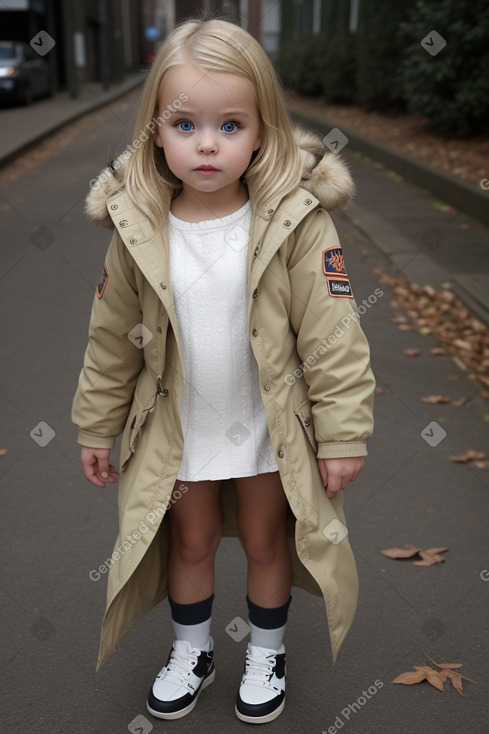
<point x="103" y="281"/>
<point x="334" y="263"/>
<point x="335" y="272"/>
<point x="339" y="288"/>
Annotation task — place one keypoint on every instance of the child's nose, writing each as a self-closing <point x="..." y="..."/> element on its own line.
<point x="207" y="144"/>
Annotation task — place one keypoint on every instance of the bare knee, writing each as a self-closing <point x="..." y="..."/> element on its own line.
<point x="262" y="550"/>
<point x="195" y="548"/>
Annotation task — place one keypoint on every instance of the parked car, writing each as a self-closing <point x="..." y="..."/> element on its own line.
<point x="24" y="75"/>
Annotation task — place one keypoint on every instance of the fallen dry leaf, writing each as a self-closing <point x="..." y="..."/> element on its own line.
<point x="422" y="673"/>
<point x="456" y="680"/>
<point x="410" y="679"/>
<point x="428" y="560"/>
<point x="407" y="552"/>
<point x="448" y="666"/>
<point x="3" y="452"/>
<point x="460" y="364"/>
<point x="399" y="319"/>
<point x="436" y="678"/>
<point x="437" y="351"/>
<point x="448" y="671"/>
<point x="435" y="399"/>
<point x="379" y="391"/>
<point x="461" y="402"/>
<point x="428" y="557"/>
<point x="435" y="551"/>
<point x="412" y="352"/>
<point x="469" y="455"/>
<point x="459" y="333"/>
<point x="461" y="344"/>
<point x="482" y="464"/>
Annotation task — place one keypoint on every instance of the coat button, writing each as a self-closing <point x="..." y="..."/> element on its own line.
<point x="287" y="223"/>
<point x="267" y="388"/>
<point x="308" y="202"/>
<point x="132" y="241"/>
<point x="281" y="454"/>
<point x="114" y="207"/>
<point x="257" y="250"/>
<point x="255" y="293"/>
<point x="162" y="391"/>
<point x="307" y="422"/>
<point x="123" y="223"/>
<point x="163" y="286"/>
<point x="270" y="211"/>
<point x="255" y="332"/>
<point x="159" y="330"/>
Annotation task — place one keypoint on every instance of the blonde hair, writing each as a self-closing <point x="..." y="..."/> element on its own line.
<point x="214" y="45"/>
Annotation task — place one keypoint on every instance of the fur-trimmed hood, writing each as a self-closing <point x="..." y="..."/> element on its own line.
<point x="324" y="175"/>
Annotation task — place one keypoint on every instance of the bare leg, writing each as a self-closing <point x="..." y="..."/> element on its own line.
<point x="195" y="522"/>
<point x="262" y="507"/>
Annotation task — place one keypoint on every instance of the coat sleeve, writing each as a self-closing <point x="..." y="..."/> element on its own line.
<point x="332" y="347"/>
<point x="112" y="362"/>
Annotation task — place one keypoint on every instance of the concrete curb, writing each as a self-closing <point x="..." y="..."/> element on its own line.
<point x="465" y="197"/>
<point x="75" y="112"/>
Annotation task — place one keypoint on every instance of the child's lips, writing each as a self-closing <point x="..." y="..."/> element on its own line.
<point x="205" y="169"/>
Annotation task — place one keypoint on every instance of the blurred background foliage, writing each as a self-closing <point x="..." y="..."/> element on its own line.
<point x="373" y="57"/>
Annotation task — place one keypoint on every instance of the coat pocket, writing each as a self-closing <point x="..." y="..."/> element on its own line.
<point x="135" y="421"/>
<point x="304" y="414"/>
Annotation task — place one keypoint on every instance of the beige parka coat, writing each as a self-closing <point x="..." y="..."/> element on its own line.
<point x="315" y="378"/>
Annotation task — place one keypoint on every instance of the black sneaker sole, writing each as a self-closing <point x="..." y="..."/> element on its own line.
<point x="183" y="712"/>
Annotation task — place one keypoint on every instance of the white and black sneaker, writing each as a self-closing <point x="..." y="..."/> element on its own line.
<point x="261" y="696"/>
<point x="179" y="684"/>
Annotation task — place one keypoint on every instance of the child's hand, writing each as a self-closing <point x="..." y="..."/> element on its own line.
<point x="337" y="473"/>
<point x="97" y="468"/>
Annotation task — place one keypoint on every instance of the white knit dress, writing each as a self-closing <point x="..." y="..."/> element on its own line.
<point x="223" y="417"/>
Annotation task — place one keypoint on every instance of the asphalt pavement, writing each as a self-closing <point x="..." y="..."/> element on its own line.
<point x="56" y="527"/>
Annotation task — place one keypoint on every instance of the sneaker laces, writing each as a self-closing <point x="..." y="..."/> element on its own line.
<point x="259" y="672"/>
<point x="180" y="666"/>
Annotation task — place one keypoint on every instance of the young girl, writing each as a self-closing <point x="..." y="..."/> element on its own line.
<point x="225" y="343"/>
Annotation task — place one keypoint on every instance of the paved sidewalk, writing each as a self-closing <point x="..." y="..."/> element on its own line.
<point x="23" y="127"/>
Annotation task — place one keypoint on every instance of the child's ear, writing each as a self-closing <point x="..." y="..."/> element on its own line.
<point x="257" y="143"/>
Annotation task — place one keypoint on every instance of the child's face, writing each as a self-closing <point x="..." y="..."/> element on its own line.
<point x="209" y="140"/>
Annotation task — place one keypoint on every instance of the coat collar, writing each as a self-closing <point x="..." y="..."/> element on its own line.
<point x="150" y="250"/>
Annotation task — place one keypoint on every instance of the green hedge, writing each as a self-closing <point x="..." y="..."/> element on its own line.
<point x="301" y="64"/>
<point x="320" y="65"/>
<point x="384" y="64"/>
<point x="378" y="53"/>
<point x="451" y="88"/>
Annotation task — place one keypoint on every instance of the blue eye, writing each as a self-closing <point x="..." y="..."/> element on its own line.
<point x="185" y="125"/>
<point x="229" y="127"/>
